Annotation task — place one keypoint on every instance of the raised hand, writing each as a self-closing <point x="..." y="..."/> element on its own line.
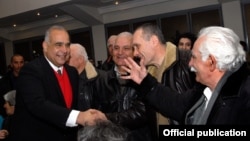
<point x="136" y="72"/>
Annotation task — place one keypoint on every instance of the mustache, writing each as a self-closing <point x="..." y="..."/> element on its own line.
<point x="193" y="69"/>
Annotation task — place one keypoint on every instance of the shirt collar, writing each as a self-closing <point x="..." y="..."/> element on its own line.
<point x="208" y="93"/>
<point x="55" y="68"/>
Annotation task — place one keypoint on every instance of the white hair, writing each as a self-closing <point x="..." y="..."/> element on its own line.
<point x="81" y="51"/>
<point x="111" y="38"/>
<point x="224" y="45"/>
<point x="125" y="34"/>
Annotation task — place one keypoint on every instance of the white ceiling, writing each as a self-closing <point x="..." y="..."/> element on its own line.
<point x="89" y="12"/>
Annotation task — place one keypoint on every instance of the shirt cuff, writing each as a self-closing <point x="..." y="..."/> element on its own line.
<point x="71" y="122"/>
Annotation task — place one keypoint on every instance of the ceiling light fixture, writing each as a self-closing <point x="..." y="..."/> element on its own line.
<point x="38" y="14"/>
<point x="14" y="25"/>
<point x="116" y="2"/>
<point x="56" y="16"/>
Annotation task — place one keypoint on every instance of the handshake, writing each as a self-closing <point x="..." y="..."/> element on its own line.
<point x="90" y="117"/>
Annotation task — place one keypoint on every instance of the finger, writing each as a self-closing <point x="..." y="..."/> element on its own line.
<point x="125" y="77"/>
<point x="126" y="69"/>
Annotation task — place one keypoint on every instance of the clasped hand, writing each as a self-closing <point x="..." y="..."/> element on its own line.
<point x="90" y="117"/>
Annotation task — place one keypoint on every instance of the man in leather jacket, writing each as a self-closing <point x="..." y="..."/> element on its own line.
<point x="164" y="62"/>
<point x="88" y="74"/>
<point x="118" y="99"/>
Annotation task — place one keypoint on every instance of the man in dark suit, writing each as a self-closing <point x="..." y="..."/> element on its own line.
<point x="46" y="101"/>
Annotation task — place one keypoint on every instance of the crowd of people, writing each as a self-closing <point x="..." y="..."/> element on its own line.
<point x="62" y="96"/>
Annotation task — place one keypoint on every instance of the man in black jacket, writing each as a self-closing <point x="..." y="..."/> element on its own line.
<point x="9" y="80"/>
<point x="118" y="98"/>
<point x="88" y="74"/>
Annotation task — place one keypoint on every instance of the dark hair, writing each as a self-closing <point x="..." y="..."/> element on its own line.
<point x="192" y="37"/>
<point x="103" y="131"/>
<point x="12" y="57"/>
<point x="149" y="29"/>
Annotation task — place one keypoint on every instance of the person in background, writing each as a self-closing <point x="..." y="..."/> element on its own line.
<point x="185" y="41"/>
<point x="9" y="80"/>
<point x="218" y="60"/>
<point x="109" y="63"/>
<point x="10" y="101"/>
<point x="16" y="63"/>
<point x="88" y="75"/>
<point x="103" y="131"/>
<point x="118" y="98"/>
<point x="47" y="95"/>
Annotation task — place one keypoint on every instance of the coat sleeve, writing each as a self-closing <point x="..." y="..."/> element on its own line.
<point x="168" y="101"/>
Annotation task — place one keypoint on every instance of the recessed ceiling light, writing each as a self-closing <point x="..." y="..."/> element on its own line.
<point x="116" y="2"/>
<point x="56" y="16"/>
<point x="14" y="25"/>
<point x="38" y="14"/>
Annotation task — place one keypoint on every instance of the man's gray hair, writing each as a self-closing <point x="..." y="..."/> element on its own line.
<point x="47" y="33"/>
<point x="81" y="51"/>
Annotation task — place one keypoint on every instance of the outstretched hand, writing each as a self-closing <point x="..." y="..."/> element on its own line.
<point x="135" y="72"/>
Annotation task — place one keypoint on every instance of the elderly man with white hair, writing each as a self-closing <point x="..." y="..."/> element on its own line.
<point x="88" y="74"/>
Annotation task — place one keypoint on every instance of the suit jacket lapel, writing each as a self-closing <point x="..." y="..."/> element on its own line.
<point x="52" y="80"/>
<point x="210" y="104"/>
<point x="214" y="96"/>
<point x="189" y="116"/>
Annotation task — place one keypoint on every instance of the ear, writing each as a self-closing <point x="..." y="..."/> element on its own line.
<point x="154" y="40"/>
<point x="45" y="46"/>
<point x="212" y="63"/>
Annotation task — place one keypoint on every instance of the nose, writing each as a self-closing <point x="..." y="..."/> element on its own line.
<point x="135" y="53"/>
<point x="20" y="64"/>
<point x="65" y="48"/>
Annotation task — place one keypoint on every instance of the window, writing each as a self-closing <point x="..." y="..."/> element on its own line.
<point x="37" y="49"/>
<point x="23" y="48"/>
<point x="205" y="18"/>
<point x="114" y="30"/>
<point x="137" y="24"/>
<point x="173" y="26"/>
